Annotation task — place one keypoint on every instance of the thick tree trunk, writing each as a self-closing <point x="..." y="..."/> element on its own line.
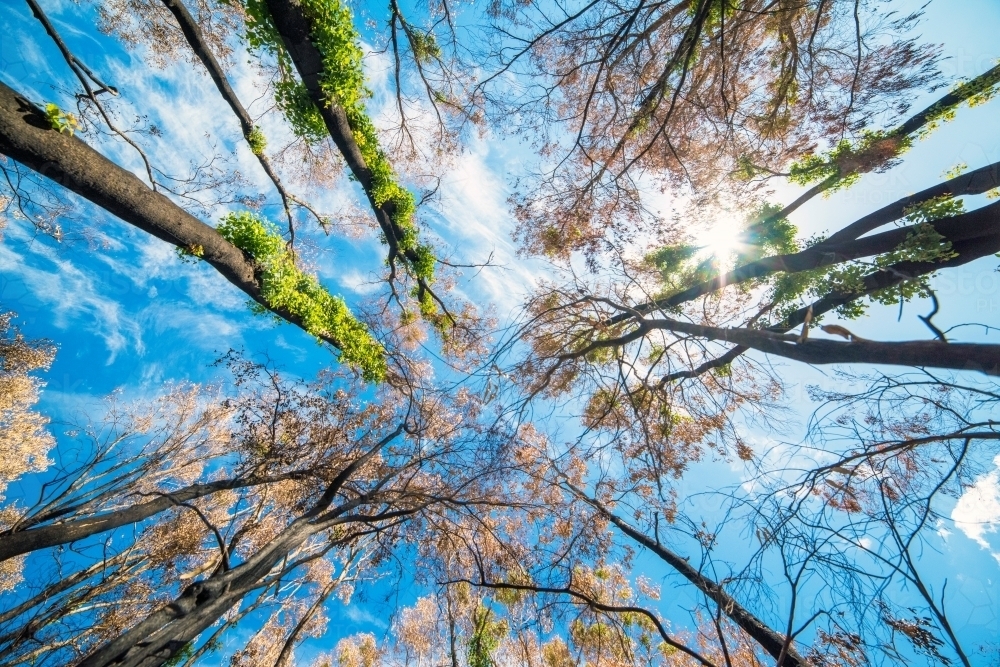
<point x="873" y="282"/>
<point x="27" y="136"/>
<point x="32" y="539"/>
<point x="932" y="354"/>
<point x="295" y="29"/>
<point x="163" y="633"/>
<point x="159" y="636"/>
<point x="975" y="182"/>
<point x="929" y="354"/>
<point x="981" y="226"/>
<point x="966" y="232"/>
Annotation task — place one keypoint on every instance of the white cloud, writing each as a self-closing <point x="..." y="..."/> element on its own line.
<point x="474" y="218"/>
<point x="358" y="615"/>
<point x="377" y="67"/>
<point x="977" y="512"/>
<point x="157" y="260"/>
<point x="360" y="283"/>
<point x="72" y="294"/>
<point x="206" y="330"/>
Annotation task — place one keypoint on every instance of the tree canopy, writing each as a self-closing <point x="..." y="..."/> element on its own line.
<point x="602" y="333"/>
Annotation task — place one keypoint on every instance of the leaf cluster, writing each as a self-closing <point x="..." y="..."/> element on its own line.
<point x="60" y="120"/>
<point x="847" y="161"/>
<point x="285" y="286"/>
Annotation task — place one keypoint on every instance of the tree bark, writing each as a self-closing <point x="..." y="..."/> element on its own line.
<point x="930" y="354"/>
<point x="914" y="123"/>
<point x="295" y="29"/>
<point x="162" y="634"/>
<point x="27" y="136"/>
<point x="873" y="282"/>
<point x="189" y="26"/>
<point x="33" y="539"/>
<point x="980" y="227"/>
<point x="975" y="182"/>
<point x="771" y="641"/>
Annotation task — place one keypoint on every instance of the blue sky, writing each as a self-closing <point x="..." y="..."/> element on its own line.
<point x="127" y="314"/>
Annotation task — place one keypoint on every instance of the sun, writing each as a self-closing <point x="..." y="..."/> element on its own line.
<point x="722" y="241"/>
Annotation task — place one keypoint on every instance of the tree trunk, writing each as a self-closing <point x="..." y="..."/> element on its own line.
<point x="33" y="539"/>
<point x="771" y="641"/>
<point x="981" y="226"/>
<point x="930" y="354"/>
<point x="27" y="136"/>
<point x="163" y="633"/>
<point x="189" y="26"/>
<point x="295" y="29"/>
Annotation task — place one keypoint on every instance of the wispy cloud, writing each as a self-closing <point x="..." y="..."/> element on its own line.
<point x="977" y="512"/>
<point x="473" y="215"/>
<point x="360" y="283"/>
<point x="73" y="295"/>
<point x="206" y="330"/>
<point x="362" y="616"/>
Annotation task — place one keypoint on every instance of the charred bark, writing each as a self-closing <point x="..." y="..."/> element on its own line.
<point x="162" y="634"/>
<point x="295" y="29"/>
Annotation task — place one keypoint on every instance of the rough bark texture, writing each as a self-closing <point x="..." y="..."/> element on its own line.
<point x="295" y="29"/>
<point x="159" y="636"/>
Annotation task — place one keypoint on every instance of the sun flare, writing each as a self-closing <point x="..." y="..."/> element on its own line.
<point x="722" y="241"/>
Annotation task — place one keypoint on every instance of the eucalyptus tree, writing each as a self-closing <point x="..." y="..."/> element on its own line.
<point x="527" y="544"/>
<point x="263" y="269"/>
<point x="628" y="97"/>
<point x="25" y="441"/>
<point x="285" y="487"/>
<point x="650" y="345"/>
<point x="821" y="554"/>
<point x="320" y="92"/>
<point x="313" y="51"/>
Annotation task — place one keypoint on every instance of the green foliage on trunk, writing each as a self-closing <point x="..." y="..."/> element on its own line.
<point x="486" y="636"/>
<point x="847" y="160"/>
<point x="343" y="83"/>
<point x="60" y="120"/>
<point x="875" y="150"/>
<point x="285" y="286"/>
<point x="257" y="141"/>
<point x="766" y="235"/>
